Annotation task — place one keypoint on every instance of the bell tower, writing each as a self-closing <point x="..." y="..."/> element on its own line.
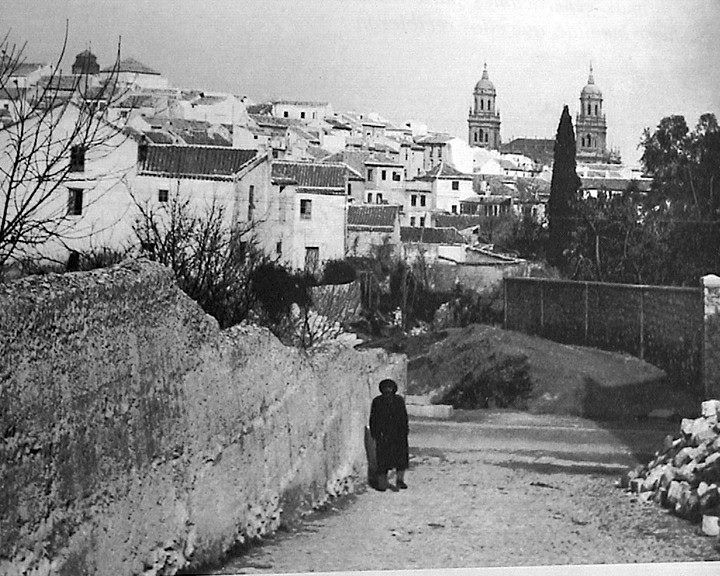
<point x="484" y="118"/>
<point x="590" y="126"/>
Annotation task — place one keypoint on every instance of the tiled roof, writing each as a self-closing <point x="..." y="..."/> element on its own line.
<point x="131" y="65"/>
<point x="264" y="108"/>
<point x="25" y="68"/>
<point x="274" y="121"/>
<point x="372" y="216"/>
<point x="194" y="161"/>
<point x="12" y="93"/>
<point x="430" y="235"/>
<point x="614" y="184"/>
<point x="434" y="139"/>
<point x="539" y="150"/>
<point x="300" y="103"/>
<point x="195" y="138"/>
<point x="458" y="221"/>
<point x="444" y="170"/>
<point x="318" y="153"/>
<point x="381" y="160"/>
<point x="158" y="137"/>
<point x="337" y="124"/>
<point x="59" y="82"/>
<point x="136" y="101"/>
<point x="310" y="174"/>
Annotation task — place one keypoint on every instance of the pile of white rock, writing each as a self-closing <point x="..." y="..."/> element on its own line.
<point x="685" y="475"/>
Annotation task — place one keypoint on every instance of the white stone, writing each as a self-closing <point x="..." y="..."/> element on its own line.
<point x="438" y="411"/>
<point x="417" y="400"/>
<point x="711" y="281"/>
<point x="710" y="525"/>
<point x="710" y="408"/>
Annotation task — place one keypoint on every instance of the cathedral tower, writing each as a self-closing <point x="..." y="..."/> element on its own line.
<point x="590" y="127"/>
<point x="484" y="119"/>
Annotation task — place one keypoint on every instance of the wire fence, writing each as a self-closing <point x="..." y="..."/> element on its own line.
<point x="660" y="324"/>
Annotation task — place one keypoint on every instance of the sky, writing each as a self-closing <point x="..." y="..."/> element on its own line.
<point x="411" y="59"/>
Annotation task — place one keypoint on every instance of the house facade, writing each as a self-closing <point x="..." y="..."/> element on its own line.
<point x="371" y="229"/>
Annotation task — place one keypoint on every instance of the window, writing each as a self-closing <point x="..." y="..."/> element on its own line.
<point x="596" y="109"/>
<point x="383" y="175"/>
<point x="163" y="195"/>
<point x="439" y="152"/>
<point x="275" y="154"/>
<point x="481" y="134"/>
<point x="73" y="263"/>
<point x="251" y="201"/>
<point x="349" y="188"/>
<point x="77" y="159"/>
<point x="455" y="185"/>
<point x="422" y="200"/>
<point x="379" y="198"/>
<point x="412" y="220"/>
<point x="482" y="104"/>
<point x="314" y="116"/>
<point x="302" y="114"/>
<point x="75" y="201"/>
<point x="312" y="258"/>
<point x="285" y="114"/>
<point x="453" y="208"/>
<point x="396" y="176"/>
<point x="305" y="208"/>
<point x="413" y="200"/>
<point x="369" y="198"/>
<point x="422" y="221"/>
<point x="278" y="248"/>
<point x="370" y="174"/>
<point x="486" y="136"/>
<point x="475" y="135"/>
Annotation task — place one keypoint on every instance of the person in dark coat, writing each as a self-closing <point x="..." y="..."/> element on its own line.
<point x="389" y="428"/>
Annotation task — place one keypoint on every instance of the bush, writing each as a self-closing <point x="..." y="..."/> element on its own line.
<point x="338" y="272"/>
<point x="277" y="289"/>
<point x="505" y="382"/>
<point x="466" y="306"/>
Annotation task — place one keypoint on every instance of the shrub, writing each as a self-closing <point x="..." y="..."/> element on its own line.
<point x="505" y="382"/>
<point x="277" y="289"/>
<point x="338" y="272"/>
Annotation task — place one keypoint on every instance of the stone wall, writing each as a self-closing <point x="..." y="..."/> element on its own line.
<point x="136" y="437"/>
<point x="711" y="336"/>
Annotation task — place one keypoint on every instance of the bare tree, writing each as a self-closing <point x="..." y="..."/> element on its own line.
<point x="55" y="126"/>
<point x="212" y="259"/>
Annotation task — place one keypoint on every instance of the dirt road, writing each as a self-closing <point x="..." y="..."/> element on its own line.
<point x="495" y="489"/>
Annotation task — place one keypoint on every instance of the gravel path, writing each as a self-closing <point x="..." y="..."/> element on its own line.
<point x="475" y="507"/>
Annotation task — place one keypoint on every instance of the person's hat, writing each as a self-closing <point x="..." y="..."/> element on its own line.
<point x="389" y="385"/>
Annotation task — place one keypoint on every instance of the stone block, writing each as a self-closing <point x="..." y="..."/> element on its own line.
<point x="710" y="408"/>
<point x="423" y="400"/>
<point x="710" y="526"/>
<point x="636" y="485"/>
<point x="683" y="457"/>
<point x="668" y="476"/>
<point x="438" y="411"/>
<point x="674" y="491"/>
<point x="686" y="426"/>
<point x="652" y="480"/>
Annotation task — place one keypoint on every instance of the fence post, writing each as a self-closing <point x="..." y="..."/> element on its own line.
<point x="586" y="312"/>
<point x="542" y="308"/>
<point x="505" y="303"/>
<point x="642" y="324"/>
<point x="711" y="336"/>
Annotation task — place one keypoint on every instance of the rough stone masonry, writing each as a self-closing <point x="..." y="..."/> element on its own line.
<point x="138" y="438"/>
<point x="685" y="475"/>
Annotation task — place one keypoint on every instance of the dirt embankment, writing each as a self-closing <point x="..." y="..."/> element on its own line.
<point x="564" y="379"/>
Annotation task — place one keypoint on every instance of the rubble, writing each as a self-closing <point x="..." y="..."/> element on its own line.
<point x="684" y="475"/>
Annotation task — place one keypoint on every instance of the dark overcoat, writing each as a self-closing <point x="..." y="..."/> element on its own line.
<point x="389" y="428"/>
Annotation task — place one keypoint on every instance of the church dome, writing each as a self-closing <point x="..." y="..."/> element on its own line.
<point x="590" y="88"/>
<point x="484" y="84"/>
<point x="85" y="63"/>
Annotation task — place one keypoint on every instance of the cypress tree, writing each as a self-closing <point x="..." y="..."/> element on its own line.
<point x="563" y="190"/>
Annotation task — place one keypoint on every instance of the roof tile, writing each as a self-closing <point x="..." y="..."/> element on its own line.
<point x="194" y="161"/>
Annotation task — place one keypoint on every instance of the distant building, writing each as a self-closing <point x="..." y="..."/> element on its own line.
<point x="448" y="186"/>
<point x="440" y="148"/>
<point x="308" y="222"/>
<point x="484" y="118"/>
<point x="131" y="72"/>
<point x="539" y="150"/>
<point x="306" y="111"/>
<point x="371" y="228"/>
